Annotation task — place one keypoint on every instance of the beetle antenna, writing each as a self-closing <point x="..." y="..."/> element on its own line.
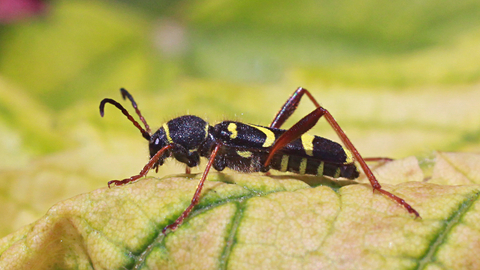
<point x="125" y="93"/>
<point x="145" y="134"/>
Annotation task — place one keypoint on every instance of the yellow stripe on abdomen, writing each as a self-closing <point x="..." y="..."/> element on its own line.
<point x="307" y="143"/>
<point x="303" y="166"/>
<point x="337" y="173"/>
<point x="320" y="168"/>
<point x="284" y="164"/>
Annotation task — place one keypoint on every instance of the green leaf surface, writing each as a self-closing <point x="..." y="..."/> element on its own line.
<point x="247" y="221"/>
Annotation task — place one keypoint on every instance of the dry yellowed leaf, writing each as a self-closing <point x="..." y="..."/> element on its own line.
<point x="249" y="221"/>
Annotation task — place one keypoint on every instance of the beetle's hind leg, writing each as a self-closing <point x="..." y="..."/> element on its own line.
<point x="306" y="123"/>
<point x="378" y="159"/>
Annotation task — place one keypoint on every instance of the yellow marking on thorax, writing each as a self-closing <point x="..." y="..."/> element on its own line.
<point x="320" y="169"/>
<point x="244" y="154"/>
<point x="303" y="166"/>
<point x="270" y="139"/>
<point x="167" y="132"/>
<point x="284" y="164"/>
<point x="206" y="130"/>
<point x="232" y="128"/>
<point x="307" y="143"/>
<point x="349" y="156"/>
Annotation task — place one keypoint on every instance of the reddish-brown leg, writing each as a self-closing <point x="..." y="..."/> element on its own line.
<point x="290" y="106"/>
<point x="145" y="169"/>
<point x="378" y="159"/>
<point x="196" y="196"/>
<point x="301" y="127"/>
<point x="307" y="123"/>
<point x="363" y="164"/>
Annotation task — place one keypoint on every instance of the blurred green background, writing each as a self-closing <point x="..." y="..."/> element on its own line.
<point x="402" y="78"/>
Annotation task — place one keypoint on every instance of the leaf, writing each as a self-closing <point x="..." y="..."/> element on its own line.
<point x="456" y="169"/>
<point x="266" y="222"/>
<point x="55" y="69"/>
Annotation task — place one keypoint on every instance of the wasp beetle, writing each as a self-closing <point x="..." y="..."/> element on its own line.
<point x="251" y="148"/>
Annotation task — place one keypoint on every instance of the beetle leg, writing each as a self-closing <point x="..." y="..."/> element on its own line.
<point x="196" y="196"/>
<point x="151" y="163"/>
<point x="290" y="106"/>
<point x="378" y="159"/>
<point x="297" y="130"/>
<point x="307" y="123"/>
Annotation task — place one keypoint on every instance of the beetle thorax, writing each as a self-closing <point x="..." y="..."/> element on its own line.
<point x="188" y="131"/>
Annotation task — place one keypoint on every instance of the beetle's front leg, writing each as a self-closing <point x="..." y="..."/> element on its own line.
<point x="151" y="163"/>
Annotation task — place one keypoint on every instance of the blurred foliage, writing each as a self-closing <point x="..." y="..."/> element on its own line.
<point x="401" y="78"/>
